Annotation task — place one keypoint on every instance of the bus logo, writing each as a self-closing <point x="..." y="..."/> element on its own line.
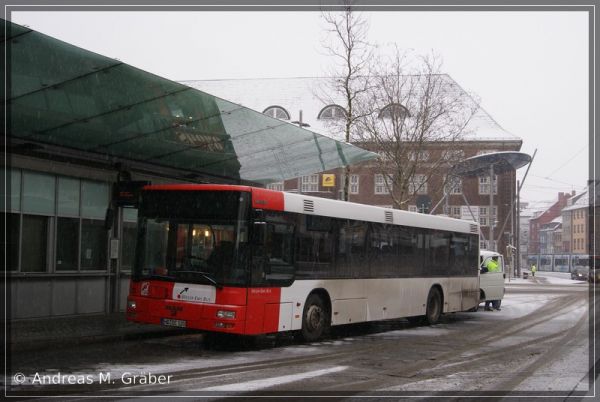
<point x="145" y="288"/>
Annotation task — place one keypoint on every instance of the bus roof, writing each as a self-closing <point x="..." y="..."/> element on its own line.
<point x="311" y="205"/>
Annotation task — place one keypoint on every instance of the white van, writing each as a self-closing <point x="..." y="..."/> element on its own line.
<point x="491" y="284"/>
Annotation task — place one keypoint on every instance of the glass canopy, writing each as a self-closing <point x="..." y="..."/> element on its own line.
<point x="63" y="96"/>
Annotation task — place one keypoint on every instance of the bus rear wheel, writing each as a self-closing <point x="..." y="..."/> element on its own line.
<point x="315" y="318"/>
<point x="434" y="306"/>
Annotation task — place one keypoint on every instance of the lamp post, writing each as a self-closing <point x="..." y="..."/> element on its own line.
<point x="301" y="124"/>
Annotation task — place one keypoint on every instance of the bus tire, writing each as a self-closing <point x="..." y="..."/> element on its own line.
<point x="434" y="306"/>
<point x="315" y="318"/>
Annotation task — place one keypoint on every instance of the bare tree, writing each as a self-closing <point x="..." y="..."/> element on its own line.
<point x="349" y="77"/>
<point x="415" y="118"/>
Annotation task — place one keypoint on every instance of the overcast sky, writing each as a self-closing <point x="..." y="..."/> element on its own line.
<point x="530" y="69"/>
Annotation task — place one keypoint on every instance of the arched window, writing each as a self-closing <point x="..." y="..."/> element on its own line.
<point x="331" y="112"/>
<point x="277" y="112"/>
<point x="394" y="110"/>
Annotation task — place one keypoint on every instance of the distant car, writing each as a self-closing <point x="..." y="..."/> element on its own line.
<point x="595" y="275"/>
<point x="580" y="273"/>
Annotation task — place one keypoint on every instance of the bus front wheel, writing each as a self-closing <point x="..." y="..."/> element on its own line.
<point x="315" y="318"/>
<point x="434" y="306"/>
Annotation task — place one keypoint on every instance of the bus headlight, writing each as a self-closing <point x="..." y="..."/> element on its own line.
<point x="131" y="305"/>
<point x="226" y="314"/>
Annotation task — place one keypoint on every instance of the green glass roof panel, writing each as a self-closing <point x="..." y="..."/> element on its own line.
<point x="68" y="97"/>
<point x="44" y="61"/>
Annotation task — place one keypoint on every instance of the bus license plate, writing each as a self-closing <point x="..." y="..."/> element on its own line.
<point x="173" y="323"/>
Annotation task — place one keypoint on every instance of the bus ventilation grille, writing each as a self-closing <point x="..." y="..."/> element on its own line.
<point x="389" y="217"/>
<point x="474" y="229"/>
<point x="309" y="206"/>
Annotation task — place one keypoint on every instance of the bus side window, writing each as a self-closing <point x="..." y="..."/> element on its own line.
<point x="278" y="263"/>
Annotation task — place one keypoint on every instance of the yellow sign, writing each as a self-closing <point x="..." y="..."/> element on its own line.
<point x="328" y="180"/>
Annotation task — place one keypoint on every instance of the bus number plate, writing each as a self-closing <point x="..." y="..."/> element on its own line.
<point x="173" y="323"/>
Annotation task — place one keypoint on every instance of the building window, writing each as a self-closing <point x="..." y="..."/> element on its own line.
<point x="484" y="185"/>
<point x="420" y="156"/>
<point x="383" y="184"/>
<point x="60" y="226"/>
<point x="310" y="184"/>
<point x="34" y="253"/>
<point x="453" y="185"/>
<point x="332" y="112"/>
<point x="277" y="112"/>
<point x="394" y="111"/>
<point x="11" y="247"/>
<point x="418" y="184"/>
<point x="67" y="235"/>
<point x="453" y="154"/>
<point x="93" y="245"/>
<point x="354" y="184"/>
<point x="275" y="186"/>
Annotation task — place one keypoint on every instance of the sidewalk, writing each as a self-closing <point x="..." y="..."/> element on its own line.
<point x="40" y="333"/>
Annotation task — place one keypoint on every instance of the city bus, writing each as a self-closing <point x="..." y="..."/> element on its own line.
<point x="245" y="260"/>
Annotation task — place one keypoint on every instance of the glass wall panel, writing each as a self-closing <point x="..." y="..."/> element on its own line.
<point x="67" y="242"/>
<point x="94" y="199"/>
<point x="34" y="250"/>
<point x="38" y="193"/>
<point x="13" y="189"/>
<point x="128" y="245"/>
<point x="130" y="214"/>
<point x="68" y="196"/>
<point x="12" y="242"/>
<point x="93" y="245"/>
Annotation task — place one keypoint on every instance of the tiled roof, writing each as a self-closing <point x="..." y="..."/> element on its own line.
<point x="309" y="96"/>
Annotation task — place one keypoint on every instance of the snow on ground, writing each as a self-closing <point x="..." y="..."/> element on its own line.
<point x="552" y="278"/>
<point x="514" y="305"/>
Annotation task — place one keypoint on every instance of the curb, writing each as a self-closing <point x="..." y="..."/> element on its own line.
<point x="45" y="343"/>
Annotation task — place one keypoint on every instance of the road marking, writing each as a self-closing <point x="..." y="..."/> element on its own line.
<point x="269" y="382"/>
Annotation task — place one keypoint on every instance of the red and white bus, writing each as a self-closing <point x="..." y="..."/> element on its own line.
<point x="245" y="260"/>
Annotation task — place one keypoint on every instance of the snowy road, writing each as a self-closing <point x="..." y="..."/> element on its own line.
<point x="538" y="345"/>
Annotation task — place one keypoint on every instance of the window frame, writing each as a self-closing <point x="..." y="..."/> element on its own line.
<point x="332" y="107"/>
<point x="277" y="108"/>
<point x="52" y="217"/>
<point x="379" y="182"/>
<point x="389" y="112"/>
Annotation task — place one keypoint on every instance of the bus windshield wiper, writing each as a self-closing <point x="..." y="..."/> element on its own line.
<point x="205" y="275"/>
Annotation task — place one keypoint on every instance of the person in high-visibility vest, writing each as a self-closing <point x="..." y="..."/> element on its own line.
<point x="491" y="266"/>
<point x="533" y="270"/>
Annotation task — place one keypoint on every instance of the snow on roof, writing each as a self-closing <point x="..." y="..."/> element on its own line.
<point x="582" y="201"/>
<point x="308" y="95"/>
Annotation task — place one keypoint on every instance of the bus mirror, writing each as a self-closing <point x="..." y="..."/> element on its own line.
<point x="259" y="233"/>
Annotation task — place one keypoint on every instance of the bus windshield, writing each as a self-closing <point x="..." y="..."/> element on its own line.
<point x="193" y="237"/>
